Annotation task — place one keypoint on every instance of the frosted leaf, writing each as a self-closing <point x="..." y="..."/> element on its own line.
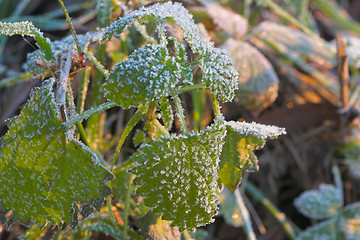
<point x="218" y="73"/>
<point x="44" y="174"/>
<point x="28" y="29"/>
<point x="258" y="82"/>
<point x="177" y="176"/>
<point x="237" y="156"/>
<point x="229" y="208"/>
<point x="149" y="74"/>
<point x="296" y="41"/>
<point x="166" y="113"/>
<point x="343" y="225"/>
<point x="319" y="204"/>
<point x="59" y="48"/>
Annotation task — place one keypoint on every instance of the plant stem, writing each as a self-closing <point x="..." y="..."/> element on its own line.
<point x="82" y="134"/>
<point x="83" y="87"/>
<point x="245" y="216"/>
<point x="89" y="112"/>
<point x="131" y="124"/>
<point x="180" y="114"/>
<point x="189" y="88"/>
<point x="160" y="127"/>
<point x="70" y="26"/>
<point x="216" y="105"/>
<point x="96" y="63"/>
<point x="337" y="179"/>
<point x="285" y="15"/>
<point x="127" y="208"/>
<point x="13" y="80"/>
<point x="112" y="217"/>
<point x="150" y="116"/>
<point x="290" y="228"/>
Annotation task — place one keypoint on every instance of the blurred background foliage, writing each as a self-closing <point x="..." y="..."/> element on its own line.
<point x="299" y="69"/>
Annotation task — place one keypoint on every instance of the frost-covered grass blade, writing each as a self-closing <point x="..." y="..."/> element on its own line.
<point x="44" y="173"/>
<point x="177" y="176"/>
<point x="237" y="156"/>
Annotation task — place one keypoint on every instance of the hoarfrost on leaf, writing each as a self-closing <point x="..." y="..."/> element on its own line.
<point x="219" y="75"/>
<point x="149" y="74"/>
<point x="181" y="171"/>
<point x="28" y="29"/>
<point x="43" y="173"/>
<point x="320" y="204"/>
<point x="237" y="156"/>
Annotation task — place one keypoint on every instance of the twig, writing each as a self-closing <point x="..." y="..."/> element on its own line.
<point x="245" y="216"/>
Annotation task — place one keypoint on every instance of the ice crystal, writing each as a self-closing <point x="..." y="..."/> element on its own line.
<point x="218" y="73"/>
<point x="149" y="74"/>
<point x="237" y="156"/>
<point x="320" y="204"/>
<point x="181" y="171"/>
<point x="59" y="48"/>
<point x="28" y="29"/>
<point x="43" y="174"/>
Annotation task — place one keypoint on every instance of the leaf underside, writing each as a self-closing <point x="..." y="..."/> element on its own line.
<point x="177" y="176"/>
<point x="219" y="75"/>
<point x="237" y="155"/>
<point x="44" y="175"/>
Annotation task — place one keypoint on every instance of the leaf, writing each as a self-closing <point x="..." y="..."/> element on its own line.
<point x="324" y="230"/>
<point x="320" y="204"/>
<point x="44" y="173"/>
<point x="181" y="171"/>
<point x="148" y="75"/>
<point x="258" y="82"/>
<point x="27" y="28"/>
<point x="140" y="137"/>
<point x="237" y="155"/>
<point x="350" y="221"/>
<point x="229" y="208"/>
<point x="108" y="230"/>
<point x="296" y="41"/>
<point x="218" y="73"/>
<point x="351" y="151"/>
<point x="166" y="113"/>
<point x="58" y="48"/>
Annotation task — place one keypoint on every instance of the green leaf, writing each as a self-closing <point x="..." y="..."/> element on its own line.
<point x="237" y="156"/>
<point x="149" y="74"/>
<point x="218" y="73"/>
<point x="108" y="230"/>
<point x="28" y="29"/>
<point x="181" y="171"/>
<point x="324" y="230"/>
<point x="320" y="204"/>
<point x="166" y="113"/>
<point x="350" y="221"/>
<point x="44" y="172"/>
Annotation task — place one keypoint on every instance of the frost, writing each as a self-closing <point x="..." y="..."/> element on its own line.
<point x="320" y="204"/>
<point x="28" y="29"/>
<point x="237" y="156"/>
<point x="43" y="174"/>
<point x="149" y="74"/>
<point x="218" y="73"/>
<point x="59" y="48"/>
<point x="181" y="171"/>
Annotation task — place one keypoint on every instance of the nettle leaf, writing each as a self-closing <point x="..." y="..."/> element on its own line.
<point x="166" y="113"/>
<point x="218" y="73"/>
<point x="237" y="156"/>
<point x="258" y="82"/>
<point x="149" y="74"/>
<point x="28" y="29"/>
<point x="324" y="230"/>
<point x="350" y="222"/>
<point x="58" y="48"/>
<point x="45" y="175"/>
<point x="181" y="171"/>
<point x="320" y="204"/>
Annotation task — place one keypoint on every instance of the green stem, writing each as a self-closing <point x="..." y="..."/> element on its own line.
<point x="97" y="64"/>
<point x="83" y="88"/>
<point x="189" y="88"/>
<point x="112" y="217"/>
<point x="160" y="127"/>
<point x="13" y="80"/>
<point x="150" y="116"/>
<point x="127" y="208"/>
<point x="90" y="112"/>
<point x="70" y="26"/>
<point x="83" y="135"/>
<point x="131" y="124"/>
<point x="246" y="8"/>
<point x="216" y="105"/>
<point x="337" y="178"/>
<point x="245" y="216"/>
<point x="285" y="15"/>
<point x="290" y="228"/>
<point x="180" y="114"/>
